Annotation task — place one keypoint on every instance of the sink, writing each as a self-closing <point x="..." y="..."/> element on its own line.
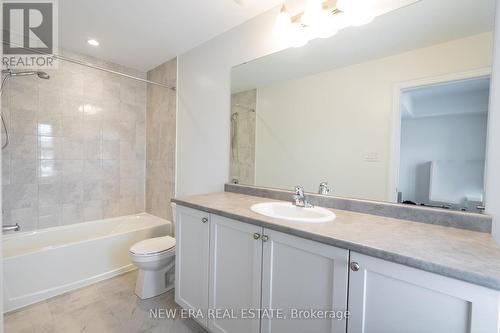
<point x="290" y="212"/>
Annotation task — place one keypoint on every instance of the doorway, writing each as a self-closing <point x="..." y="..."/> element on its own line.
<point x="440" y="143"/>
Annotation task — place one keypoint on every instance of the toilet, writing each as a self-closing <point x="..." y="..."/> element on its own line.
<point x="155" y="259"/>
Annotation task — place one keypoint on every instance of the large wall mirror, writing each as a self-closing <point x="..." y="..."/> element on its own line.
<point x="395" y="110"/>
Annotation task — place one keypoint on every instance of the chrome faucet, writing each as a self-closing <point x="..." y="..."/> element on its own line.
<point x="300" y="198"/>
<point x="324" y="189"/>
<point x="14" y="227"/>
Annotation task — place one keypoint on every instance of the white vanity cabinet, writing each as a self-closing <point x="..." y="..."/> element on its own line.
<point x="300" y="274"/>
<point x="191" y="260"/>
<point x="235" y="274"/>
<point x="392" y="298"/>
<point x="223" y="264"/>
<point x="249" y="263"/>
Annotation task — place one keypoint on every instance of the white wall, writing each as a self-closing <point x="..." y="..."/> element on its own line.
<point x="493" y="155"/>
<point x="204" y="104"/>
<point x="1" y="218"/>
<point x="443" y="138"/>
<point x="327" y="127"/>
<point x="1" y="221"/>
<point x="204" y="95"/>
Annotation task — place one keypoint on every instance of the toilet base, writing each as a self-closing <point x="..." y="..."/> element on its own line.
<point x="153" y="283"/>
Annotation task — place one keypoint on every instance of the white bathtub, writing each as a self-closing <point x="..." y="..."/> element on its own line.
<point x="45" y="263"/>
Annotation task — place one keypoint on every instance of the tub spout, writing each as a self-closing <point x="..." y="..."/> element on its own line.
<point x="15" y="227"/>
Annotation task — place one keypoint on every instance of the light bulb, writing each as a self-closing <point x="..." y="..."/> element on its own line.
<point x="343" y="5"/>
<point x="325" y="27"/>
<point x="313" y="12"/>
<point x="297" y="37"/>
<point x="93" y="42"/>
<point x="360" y="18"/>
<point x="283" y="23"/>
<point x="357" y="12"/>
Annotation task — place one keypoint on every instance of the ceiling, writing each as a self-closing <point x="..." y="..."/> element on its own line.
<point x="459" y="87"/>
<point x="143" y="34"/>
<point x="454" y="98"/>
<point x="422" y="24"/>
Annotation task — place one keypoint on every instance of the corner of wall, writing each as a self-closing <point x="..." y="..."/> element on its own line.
<point x="493" y="162"/>
<point x="1" y="222"/>
<point x="161" y="124"/>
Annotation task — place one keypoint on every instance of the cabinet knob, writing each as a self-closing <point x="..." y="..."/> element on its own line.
<point x="204" y="220"/>
<point x="354" y="266"/>
<point x="265" y="238"/>
<point x="256" y="236"/>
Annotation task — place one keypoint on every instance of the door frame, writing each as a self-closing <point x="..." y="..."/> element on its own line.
<point x="398" y="89"/>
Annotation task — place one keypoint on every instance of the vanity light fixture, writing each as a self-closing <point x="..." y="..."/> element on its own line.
<point x="93" y="42"/>
<point x="358" y="12"/>
<point x="324" y="18"/>
<point x="292" y="34"/>
<point x="283" y="22"/>
<point x="313" y="12"/>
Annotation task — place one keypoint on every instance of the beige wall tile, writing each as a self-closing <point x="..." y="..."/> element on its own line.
<point x="71" y="138"/>
<point x="160" y="141"/>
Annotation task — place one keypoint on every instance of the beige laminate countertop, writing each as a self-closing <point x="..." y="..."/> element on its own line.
<point x="465" y="255"/>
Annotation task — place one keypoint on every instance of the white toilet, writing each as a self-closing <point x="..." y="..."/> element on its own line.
<point x="155" y="259"/>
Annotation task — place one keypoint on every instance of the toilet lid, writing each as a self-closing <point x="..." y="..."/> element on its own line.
<point x="153" y="245"/>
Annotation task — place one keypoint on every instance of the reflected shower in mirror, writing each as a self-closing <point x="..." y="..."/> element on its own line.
<point x="393" y="111"/>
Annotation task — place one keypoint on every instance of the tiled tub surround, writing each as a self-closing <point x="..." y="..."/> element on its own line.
<point x="443" y="217"/>
<point x="160" y="138"/>
<point x="77" y="150"/>
<point x="461" y="254"/>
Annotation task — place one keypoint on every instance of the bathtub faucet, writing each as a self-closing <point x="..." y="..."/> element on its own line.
<point x="15" y="227"/>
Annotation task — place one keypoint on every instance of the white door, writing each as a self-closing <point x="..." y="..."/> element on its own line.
<point x="191" y="261"/>
<point x="392" y="298"/>
<point x="298" y="274"/>
<point x="235" y="275"/>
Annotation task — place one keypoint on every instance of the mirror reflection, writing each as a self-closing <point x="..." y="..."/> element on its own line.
<point x="395" y="110"/>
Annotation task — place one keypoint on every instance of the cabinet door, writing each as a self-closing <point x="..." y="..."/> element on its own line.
<point x="392" y="298"/>
<point x="303" y="275"/>
<point x="235" y="274"/>
<point x="191" y="260"/>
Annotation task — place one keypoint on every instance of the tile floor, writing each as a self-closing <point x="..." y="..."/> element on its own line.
<point x="108" y="306"/>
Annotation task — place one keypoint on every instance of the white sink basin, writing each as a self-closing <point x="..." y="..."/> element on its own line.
<point x="287" y="211"/>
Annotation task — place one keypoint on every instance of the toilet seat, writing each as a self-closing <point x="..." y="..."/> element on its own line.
<point x="153" y="246"/>
<point x="155" y="259"/>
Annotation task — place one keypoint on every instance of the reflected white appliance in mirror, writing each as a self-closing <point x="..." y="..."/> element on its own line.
<point x="395" y="110"/>
<point x="443" y="141"/>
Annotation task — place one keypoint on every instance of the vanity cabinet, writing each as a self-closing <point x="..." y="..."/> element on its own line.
<point x="191" y="260"/>
<point x="249" y="264"/>
<point x="226" y="268"/>
<point x="301" y="274"/>
<point x="392" y="298"/>
<point x="235" y="274"/>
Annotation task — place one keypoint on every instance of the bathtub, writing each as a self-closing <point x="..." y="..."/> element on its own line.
<point x="42" y="264"/>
